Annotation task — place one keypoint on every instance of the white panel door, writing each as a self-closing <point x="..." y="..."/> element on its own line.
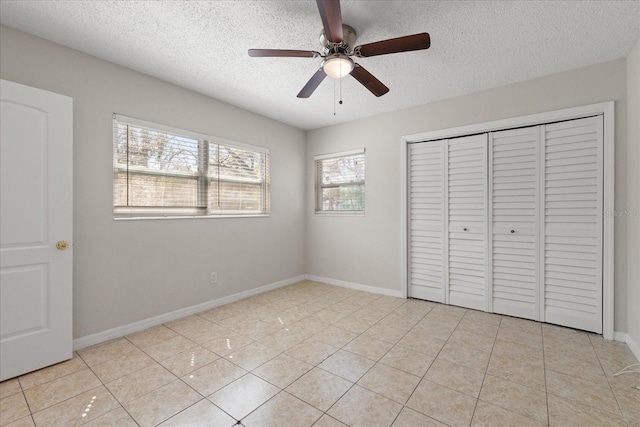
<point x="514" y="196"/>
<point x="36" y="214"/>
<point x="573" y="197"/>
<point x="467" y="221"/>
<point x="427" y="220"/>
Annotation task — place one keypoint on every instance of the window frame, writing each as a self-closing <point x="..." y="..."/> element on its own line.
<point x="202" y="177"/>
<point x="319" y="186"/>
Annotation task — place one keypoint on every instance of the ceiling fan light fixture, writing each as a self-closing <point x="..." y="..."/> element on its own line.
<point x="337" y="65"/>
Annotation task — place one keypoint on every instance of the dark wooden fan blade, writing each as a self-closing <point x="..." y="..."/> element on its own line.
<point x="369" y="81"/>
<point x="331" y="19"/>
<point x="312" y="84"/>
<point x="400" y="44"/>
<point x="262" y="53"/>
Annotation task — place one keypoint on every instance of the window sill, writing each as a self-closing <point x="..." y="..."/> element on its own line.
<point x="338" y="213"/>
<point x="138" y="218"/>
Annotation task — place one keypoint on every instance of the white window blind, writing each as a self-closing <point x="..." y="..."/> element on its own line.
<point x="339" y="182"/>
<point x="165" y="172"/>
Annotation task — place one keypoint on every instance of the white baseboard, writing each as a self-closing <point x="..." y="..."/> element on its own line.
<point x="625" y="338"/>
<point x="635" y="348"/>
<point x="356" y="286"/>
<point x="120" y="331"/>
<point x="620" y="336"/>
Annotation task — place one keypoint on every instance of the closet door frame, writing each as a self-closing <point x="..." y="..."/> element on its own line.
<point x="606" y="109"/>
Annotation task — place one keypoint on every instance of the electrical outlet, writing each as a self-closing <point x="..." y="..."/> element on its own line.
<point x="214" y="278"/>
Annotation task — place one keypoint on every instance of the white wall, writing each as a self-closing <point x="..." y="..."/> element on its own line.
<point x="125" y="271"/>
<point x="633" y="196"/>
<point x="366" y="250"/>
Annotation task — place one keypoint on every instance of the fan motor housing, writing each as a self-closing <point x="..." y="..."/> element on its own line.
<point x="349" y="37"/>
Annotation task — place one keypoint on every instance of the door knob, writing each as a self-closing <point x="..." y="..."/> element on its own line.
<point x="513" y="231"/>
<point x="62" y="245"/>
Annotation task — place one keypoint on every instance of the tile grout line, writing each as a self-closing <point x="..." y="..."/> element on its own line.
<point x="607" y="379"/>
<point x="375" y="362"/>
<point x="281" y="352"/>
<point x="597" y="408"/>
<point x="315" y="366"/>
<point x="181" y="380"/>
<point x="544" y="367"/>
<point x="404" y="405"/>
<point x="434" y="359"/>
<point x="24" y="396"/>
<point x="107" y="389"/>
<point x="55" y="379"/>
<point x="485" y="370"/>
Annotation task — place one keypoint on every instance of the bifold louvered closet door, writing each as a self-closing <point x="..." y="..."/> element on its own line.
<point x="573" y="207"/>
<point x="428" y="219"/>
<point x="467" y="214"/>
<point x="514" y="207"/>
<point x="511" y="222"/>
<point x="448" y="221"/>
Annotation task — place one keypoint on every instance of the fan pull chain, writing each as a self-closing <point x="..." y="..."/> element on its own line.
<point x="340" y="102"/>
<point x="334" y="97"/>
<point x="334" y="91"/>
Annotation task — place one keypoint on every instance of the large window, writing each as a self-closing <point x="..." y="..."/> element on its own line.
<point x="164" y="172"/>
<point x="340" y="182"/>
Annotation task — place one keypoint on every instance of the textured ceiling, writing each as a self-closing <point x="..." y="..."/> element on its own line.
<point x="202" y="45"/>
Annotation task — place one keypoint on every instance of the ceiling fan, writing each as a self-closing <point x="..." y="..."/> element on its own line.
<point x="337" y="40"/>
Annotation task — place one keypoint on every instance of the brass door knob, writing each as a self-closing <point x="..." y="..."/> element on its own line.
<point x="62" y="245"/>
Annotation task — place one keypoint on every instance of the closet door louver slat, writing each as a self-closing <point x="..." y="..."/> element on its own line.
<point x="572" y="210"/>
<point x="427" y="221"/>
<point x="514" y="197"/>
<point x="467" y="226"/>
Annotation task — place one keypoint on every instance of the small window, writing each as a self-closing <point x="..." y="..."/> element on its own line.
<point x="165" y="172"/>
<point x="340" y="182"/>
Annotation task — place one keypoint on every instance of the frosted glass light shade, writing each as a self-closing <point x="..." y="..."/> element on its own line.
<point x="337" y="65"/>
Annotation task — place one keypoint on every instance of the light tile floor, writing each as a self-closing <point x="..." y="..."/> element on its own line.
<point x="314" y="354"/>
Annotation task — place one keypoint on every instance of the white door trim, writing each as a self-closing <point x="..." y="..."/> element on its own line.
<point x="604" y="108"/>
